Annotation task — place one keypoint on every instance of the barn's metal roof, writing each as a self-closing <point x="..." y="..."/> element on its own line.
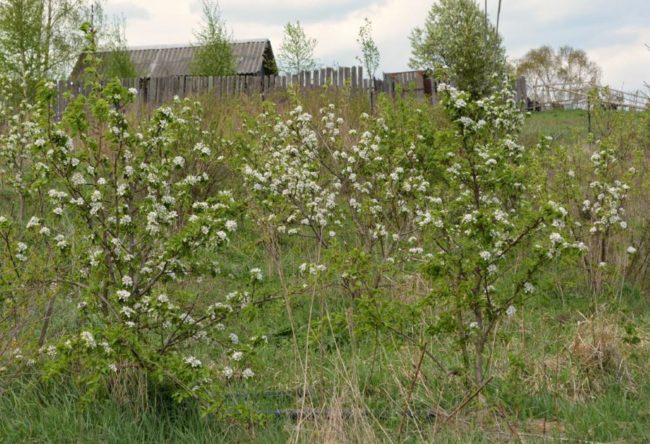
<point x="251" y="57"/>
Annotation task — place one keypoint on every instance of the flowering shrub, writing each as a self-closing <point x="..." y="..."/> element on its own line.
<point x="350" y="195"/>
<point x="597" y="183"/>
<point x="599" y="208"/>
<point x="25" y="262"/>
<point x="489" y="213"/>
<point x="128" y="226"/>
<point x="379" y="200"/>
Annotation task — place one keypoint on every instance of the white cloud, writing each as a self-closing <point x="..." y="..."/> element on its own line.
<point x="392" y="24"/>
<point x="625" y="66"/>
<point x="548" y="11"/>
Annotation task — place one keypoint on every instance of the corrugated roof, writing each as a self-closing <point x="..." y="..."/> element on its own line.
<point x="251" y="57"/>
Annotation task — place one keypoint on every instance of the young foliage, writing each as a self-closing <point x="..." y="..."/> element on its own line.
<point x="296" y="52"/>
<point x="213" y="54"/>
<point x="369" y="50"/>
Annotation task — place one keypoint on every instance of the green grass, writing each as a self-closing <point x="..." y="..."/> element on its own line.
<point x="563" y="125"/>
<point x="54" y="414"/>
<point x="615" y="410"/>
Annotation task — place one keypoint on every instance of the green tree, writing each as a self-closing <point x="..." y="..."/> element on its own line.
<point x="459" y="41"/>
<point x="369" y="51"/>
<point x="213" y="54"/>
<point x="20" y="38"/>
<point x="118" y="62"/>
<point x="39" y="38"/>
<point x="297" y="50"/>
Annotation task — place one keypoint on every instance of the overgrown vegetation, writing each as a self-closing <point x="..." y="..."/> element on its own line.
<point x="310" y="271"/>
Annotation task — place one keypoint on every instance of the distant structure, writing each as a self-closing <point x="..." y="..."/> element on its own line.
<point x="420" y="83"/>
<point x="252" y="57"/>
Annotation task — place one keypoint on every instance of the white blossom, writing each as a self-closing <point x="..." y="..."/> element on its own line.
<point x="123" y="295"/>
<point x="89" y="339"/>
<point x="192" y="362"/>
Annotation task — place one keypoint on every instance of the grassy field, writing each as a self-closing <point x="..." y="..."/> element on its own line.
<point x="559" y="124"/>
<point x="571" y="366"/>
<point x="565" y="372"/>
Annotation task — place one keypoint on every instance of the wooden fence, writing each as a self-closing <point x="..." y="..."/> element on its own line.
<point x="418" y="83"/>
<point x="542" y="97"/>
<point x="157" y="90"/>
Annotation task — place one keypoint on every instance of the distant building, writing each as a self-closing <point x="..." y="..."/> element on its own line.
<point x="252" y="57"/>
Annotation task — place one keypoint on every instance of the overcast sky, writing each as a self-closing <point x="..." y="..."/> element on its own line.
<point x="613" y="32"/>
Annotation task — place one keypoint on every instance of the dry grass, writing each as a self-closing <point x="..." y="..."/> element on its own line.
<point x="595" y="356"/>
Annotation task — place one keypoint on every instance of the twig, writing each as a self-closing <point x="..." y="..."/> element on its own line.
<point x="410" y="393"/>
<point x="467" y="400"/>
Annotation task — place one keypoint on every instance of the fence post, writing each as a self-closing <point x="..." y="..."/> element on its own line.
<point x="520" y="91"/>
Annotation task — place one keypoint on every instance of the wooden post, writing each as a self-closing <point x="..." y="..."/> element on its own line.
<point x="520" y="91"/>
<point x="347" y="74"/>
<point x="588" y="115"/>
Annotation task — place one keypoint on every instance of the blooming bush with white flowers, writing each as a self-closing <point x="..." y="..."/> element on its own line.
<point x="353" y="198"/>
<point x="596" y="184"/>
<point x="128" y="223"/>
<point x="489" y="213"/>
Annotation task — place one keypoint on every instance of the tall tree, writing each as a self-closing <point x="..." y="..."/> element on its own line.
<point x="21" y="27"/>
<point x="296" y="52"/>
<point x="552" y="75"/>
<point x="459" y="43"/>
<point x="213" y="53"/>
<point x="39" y="40"/>
<point x="40" y="36"/>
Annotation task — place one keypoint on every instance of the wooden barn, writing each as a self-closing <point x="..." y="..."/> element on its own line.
<point x="252" y="57"/>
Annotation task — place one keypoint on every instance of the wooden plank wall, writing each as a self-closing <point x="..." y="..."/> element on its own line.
<point x="411" y="82"/>
<point x="158" y="90"/>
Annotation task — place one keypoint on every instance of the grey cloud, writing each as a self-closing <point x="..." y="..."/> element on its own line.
<point x="271" y="13"/>
<point x="127" y="9"/>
